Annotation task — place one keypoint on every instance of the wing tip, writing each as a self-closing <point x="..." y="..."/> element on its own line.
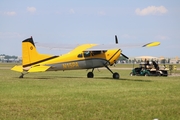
<point x="152" y="44"/>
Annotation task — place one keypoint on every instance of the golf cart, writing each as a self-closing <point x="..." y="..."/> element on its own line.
<point x="149" y="69"/>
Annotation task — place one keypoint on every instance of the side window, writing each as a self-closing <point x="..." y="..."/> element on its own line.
<point x="96" y="52"/>
<point x="80" y="55"/>
<point x="87" y="54"/>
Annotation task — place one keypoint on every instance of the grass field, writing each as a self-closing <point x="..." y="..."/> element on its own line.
<point x="70" y="95"/>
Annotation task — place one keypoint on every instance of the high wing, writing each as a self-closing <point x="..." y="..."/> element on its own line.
<point x="117" y="46"/>
<point x="57" y="46"/>
<point x="97" y="47"/>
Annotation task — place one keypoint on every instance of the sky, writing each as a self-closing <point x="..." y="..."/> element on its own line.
<point x="98" y="21"/>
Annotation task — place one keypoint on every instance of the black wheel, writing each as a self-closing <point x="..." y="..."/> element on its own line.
<point x="131" y="74"/>
<point x="116" y="75"/>
<point x="165" y="73"/>
<point x="158" y="74"/>
<point x="146" y="74"/>
<point x="90" y="75"/>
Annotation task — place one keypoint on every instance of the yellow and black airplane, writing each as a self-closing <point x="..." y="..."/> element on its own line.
<point x="86" y="56"/>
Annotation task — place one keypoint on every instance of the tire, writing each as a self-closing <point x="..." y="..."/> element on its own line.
<point x="158" y="74"/>
<point x="146" y="74"/>
<point x="131" y="74"/>
<point x="90" y="75"/>
<point x="116" y="75"/>
<point x="165" y="73"/>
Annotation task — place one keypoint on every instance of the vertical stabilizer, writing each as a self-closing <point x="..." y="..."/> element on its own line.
<point x="30" y="56"/>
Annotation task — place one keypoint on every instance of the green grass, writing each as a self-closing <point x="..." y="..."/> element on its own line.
<point x="70" y="95"/>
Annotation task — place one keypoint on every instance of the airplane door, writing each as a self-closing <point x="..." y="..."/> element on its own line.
<point x="88" y="60"/>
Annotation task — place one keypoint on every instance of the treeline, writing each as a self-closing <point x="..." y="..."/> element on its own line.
<point x="8" y="56"/>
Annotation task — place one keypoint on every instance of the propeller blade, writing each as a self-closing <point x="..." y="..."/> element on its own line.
<point x="116" y="39"/>
<point x="152" y="44"/>
<point x="124" y="56"/>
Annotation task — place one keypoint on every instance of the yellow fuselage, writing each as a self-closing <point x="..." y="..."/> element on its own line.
<point x="80" y="59"/>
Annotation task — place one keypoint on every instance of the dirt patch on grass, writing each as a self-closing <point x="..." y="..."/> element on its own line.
<point x="174" y="74"/>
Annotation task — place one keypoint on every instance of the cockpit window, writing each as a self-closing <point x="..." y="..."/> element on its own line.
<point x="97" y="52"/>
<point x="90" y="53"/>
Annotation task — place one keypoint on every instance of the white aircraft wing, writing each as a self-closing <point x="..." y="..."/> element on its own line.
<point x="57" y="46"/>
<point x="119" y="46"/>
<point x="98" y="47"/>
<point x="94" y="48"/>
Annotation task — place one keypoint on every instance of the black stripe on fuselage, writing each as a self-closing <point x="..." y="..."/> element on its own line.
<point x="43" y="60"/>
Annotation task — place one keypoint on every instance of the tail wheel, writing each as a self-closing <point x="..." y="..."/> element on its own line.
<point x="21" y="76"/>
<point x="90" y="75"/>
<point x="116" y="75"/>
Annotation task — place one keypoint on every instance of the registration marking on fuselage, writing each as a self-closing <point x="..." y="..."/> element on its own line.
<point x="70" y="65"/>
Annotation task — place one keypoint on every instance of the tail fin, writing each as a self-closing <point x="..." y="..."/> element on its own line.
<point x="30" y="56"/>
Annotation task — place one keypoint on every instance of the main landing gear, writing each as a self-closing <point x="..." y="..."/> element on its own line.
<point x="115" y="75"/>
<point x="90" y="74"/>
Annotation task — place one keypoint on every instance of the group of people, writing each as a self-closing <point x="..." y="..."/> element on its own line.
<point x="149" y="65"/>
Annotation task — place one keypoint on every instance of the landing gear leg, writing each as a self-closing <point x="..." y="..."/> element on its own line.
<point x="22" y="75"/>
<point x="115" y="75"/>
<point x="90" y="74"/>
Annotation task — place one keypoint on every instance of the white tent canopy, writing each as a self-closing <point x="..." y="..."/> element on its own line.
<point x="146" y="57"/>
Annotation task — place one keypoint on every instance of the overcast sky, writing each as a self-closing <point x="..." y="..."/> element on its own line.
<point x="82" y="21"/>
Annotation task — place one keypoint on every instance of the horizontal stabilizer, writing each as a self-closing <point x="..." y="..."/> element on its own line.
<point x="152" y="44"/>
<point x="17" y="68"/>
<point x="38" y="69"/>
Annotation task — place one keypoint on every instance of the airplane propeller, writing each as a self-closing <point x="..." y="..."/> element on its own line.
<point x="124" y="56"/>
<point x="116" y="41"/>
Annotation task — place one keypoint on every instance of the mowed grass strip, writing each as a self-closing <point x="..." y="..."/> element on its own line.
<point x="70" y="95"/>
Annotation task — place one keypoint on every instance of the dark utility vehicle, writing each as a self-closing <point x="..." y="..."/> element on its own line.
<point x="148" y="69"/>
